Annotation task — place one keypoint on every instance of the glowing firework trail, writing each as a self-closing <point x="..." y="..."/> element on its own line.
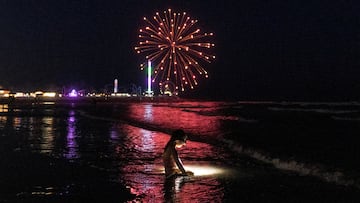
<point x="176" y="48"/>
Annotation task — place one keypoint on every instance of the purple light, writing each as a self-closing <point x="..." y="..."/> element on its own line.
<point x="149" y="77"/>
<point x="73" y="93"/>
<point x="71" y="144"/>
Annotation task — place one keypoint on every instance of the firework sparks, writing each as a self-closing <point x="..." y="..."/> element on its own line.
<point x="176" y="48"/>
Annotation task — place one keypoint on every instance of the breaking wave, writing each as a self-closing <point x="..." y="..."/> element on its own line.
<point x="326" y="111"/>
<point x="345" y="118"/>
<point x="304" y="169"/>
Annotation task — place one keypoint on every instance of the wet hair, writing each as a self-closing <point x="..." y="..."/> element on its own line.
<point x="179" y="135"/>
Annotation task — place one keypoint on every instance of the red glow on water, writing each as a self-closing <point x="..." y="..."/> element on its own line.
<point x="144" y="171"/>
<point x="172" y="117"/>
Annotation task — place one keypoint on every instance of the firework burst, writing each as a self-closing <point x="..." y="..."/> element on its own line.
<point x="176" y="47"/>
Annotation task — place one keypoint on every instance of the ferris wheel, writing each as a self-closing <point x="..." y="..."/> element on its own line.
<point x="168" y="88"/>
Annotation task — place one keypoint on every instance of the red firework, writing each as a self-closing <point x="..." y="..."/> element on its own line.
<point x="175" y="46"/>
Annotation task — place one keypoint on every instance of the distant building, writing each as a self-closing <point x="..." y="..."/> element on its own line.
<point x="4" y="93"/>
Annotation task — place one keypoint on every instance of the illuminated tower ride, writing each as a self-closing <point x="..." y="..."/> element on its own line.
<point x="149" y="92"/>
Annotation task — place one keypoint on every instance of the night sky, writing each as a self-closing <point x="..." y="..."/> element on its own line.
<point x="266" y="50"/>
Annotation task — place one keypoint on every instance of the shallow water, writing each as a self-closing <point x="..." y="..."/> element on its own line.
<point x="126" y="142"/>
<point x="144" y="173"/>
<point x="129" y="154"/>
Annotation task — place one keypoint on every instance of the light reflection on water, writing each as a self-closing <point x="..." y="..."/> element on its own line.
<point x="41" y="132"/>
<point x="148" y="112"/>
<point x="144" y="173"/>
<point x="47" y="141"/>
<point x="133" y="153"/>
<point x="168" y="116"/>
<point x="71" y="148"/>
<point x="3" y="120"/>
<point x="17" y="122"/>
<point x="141" y="150"/>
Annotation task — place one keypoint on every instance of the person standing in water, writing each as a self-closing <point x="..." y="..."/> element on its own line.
<point x="172" y="163"/>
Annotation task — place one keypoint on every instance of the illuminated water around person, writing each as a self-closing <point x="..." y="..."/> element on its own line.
<point x="231" y="148"/>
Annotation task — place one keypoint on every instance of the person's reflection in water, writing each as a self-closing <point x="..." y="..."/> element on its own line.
<point x="171" y="186"/>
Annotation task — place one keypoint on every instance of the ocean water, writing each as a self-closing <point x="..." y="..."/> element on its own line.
<point x="249" y="151"/>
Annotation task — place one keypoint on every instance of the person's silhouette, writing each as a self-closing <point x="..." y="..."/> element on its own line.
<point x="172" y="163"/>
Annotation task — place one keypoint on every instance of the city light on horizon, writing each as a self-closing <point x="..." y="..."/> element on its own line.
<point x="73" y="93"/>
